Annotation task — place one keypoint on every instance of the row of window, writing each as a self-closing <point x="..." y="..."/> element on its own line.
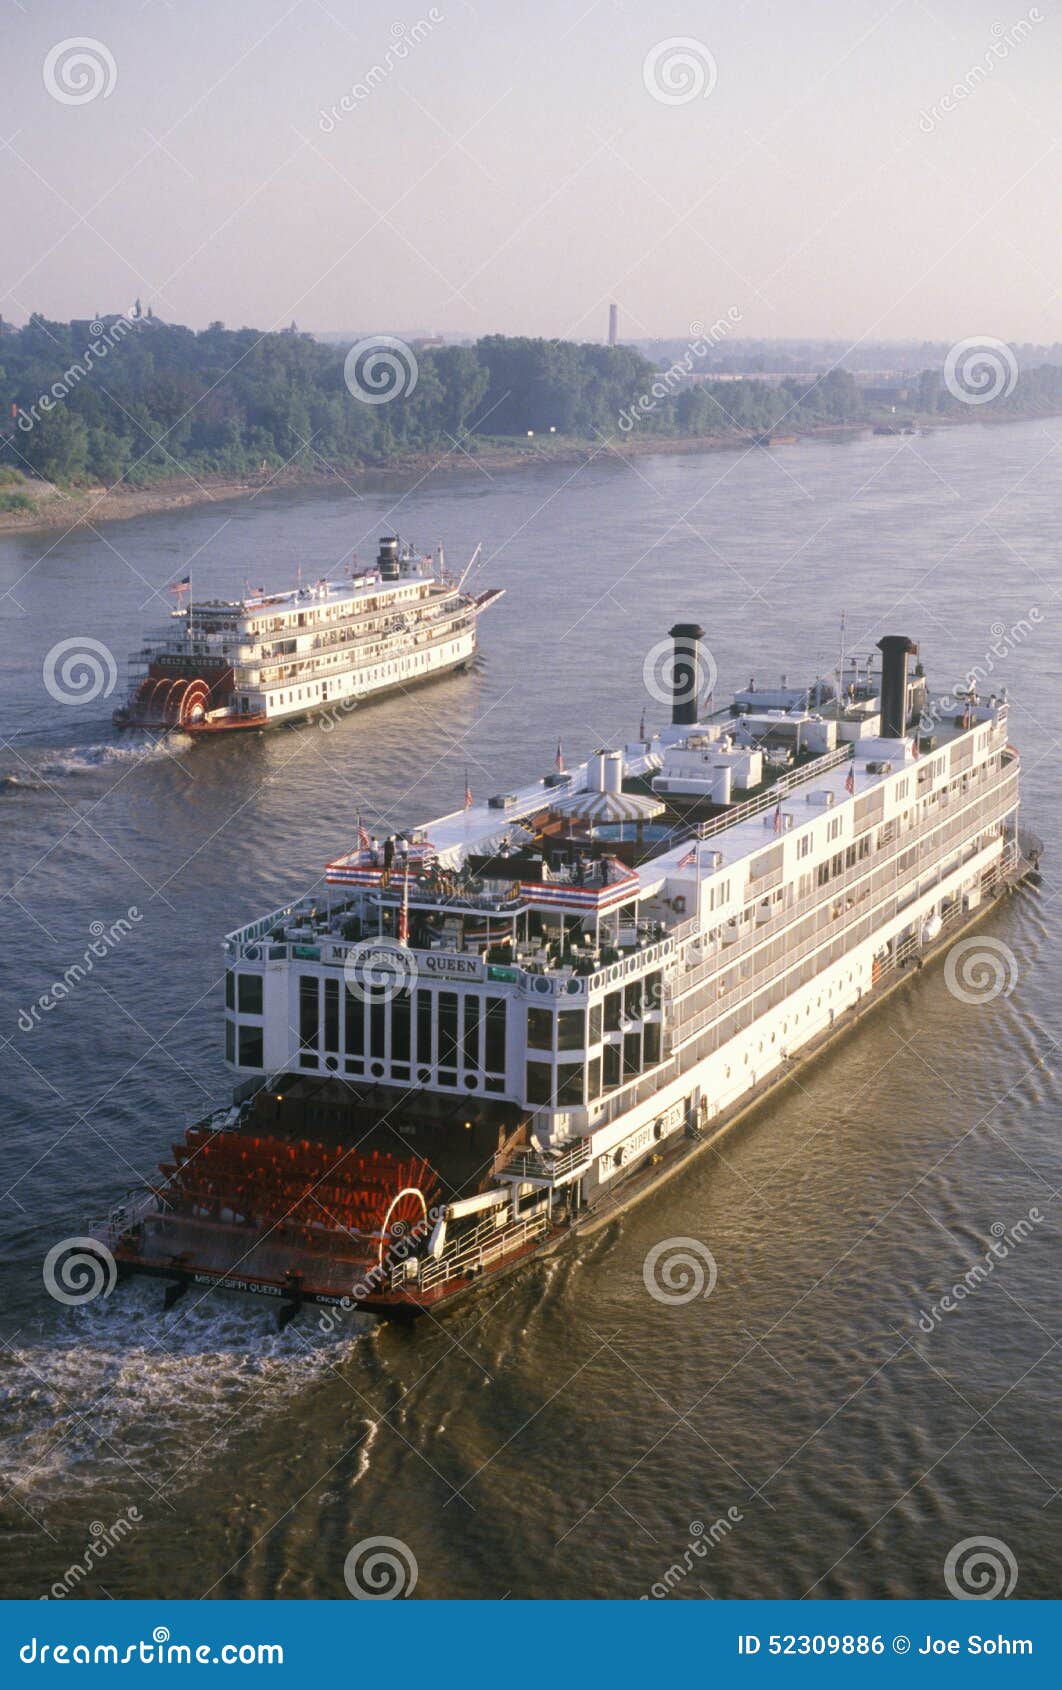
<point x="569" y="1085"/>
<point x="339" y="609"/>
<point x="580" y="1029"/>
<point x="437" y="1038"/>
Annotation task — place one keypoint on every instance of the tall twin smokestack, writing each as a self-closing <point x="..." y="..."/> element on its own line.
<point x="685" y="683"/>
<point x="685" y="674"/>
<point x="895" y="650"/>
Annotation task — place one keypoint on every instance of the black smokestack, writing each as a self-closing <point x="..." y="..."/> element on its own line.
<point x="387" y="558"/>
<point x="895" y="650"/>
<point x="686" y="674"/>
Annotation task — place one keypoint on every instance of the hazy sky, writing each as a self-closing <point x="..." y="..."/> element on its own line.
<point x="514" y="168"/>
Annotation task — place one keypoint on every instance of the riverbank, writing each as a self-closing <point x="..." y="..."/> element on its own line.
<point x="51" y="507"/>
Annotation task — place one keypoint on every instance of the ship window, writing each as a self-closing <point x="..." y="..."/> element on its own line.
<point x="540" y="1029"/>
<point x="571" y="1030"/>
<point x="230" y="1042"/>
<point x="308" y="1011"/>
<point x="612" y="1061"/>
<point x="613" y="1011"/>
<point x="355" y="1022"/>
<point x="632" y="999"/>
<point x="654" y="991"/>
<point x="594" y="1036"/>
<point x="495" y="1036"/>
<point x="539" y="1076"/>
<point x="230" y="989"/>
<point x="424" y="1031"/>
<point x="632" y="1053"/>
<point x="331" y="1013"/>
<point x="251" y="1047"/>
<point x="651" y="1048"/>
<point x="471" y="1042"/>
<point x="400" y="1019"/>
<point x="570" y="1084"/>
<point x="593" y="1079"/>
<point x="447" y="1029"/>
<point x="377" y="1027"/>
<point x="804" y="845"/>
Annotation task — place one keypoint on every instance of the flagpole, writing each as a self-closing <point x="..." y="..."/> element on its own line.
<point x="403" y="919"/>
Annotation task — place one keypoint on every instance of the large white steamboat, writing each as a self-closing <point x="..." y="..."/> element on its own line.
<point x="239" y="664"/>
<point x="479" y="1038"/>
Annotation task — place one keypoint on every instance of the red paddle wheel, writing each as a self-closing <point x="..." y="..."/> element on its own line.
<point x="189" y="703"/>
<point x="307" y="1193"/>
<point x="169" y="702"/>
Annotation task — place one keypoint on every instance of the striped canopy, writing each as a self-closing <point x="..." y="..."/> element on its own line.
<point x="602" y="807"/>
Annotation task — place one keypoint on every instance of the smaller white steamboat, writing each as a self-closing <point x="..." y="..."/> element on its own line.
<point x="250" y="663"/>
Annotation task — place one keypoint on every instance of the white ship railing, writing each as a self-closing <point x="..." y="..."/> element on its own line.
<point x="768" y="800"/>
<point x="551" y="1170"/>
<point x="468" y="1256"/>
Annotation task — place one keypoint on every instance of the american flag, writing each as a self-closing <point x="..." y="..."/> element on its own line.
<point x="778" y="817"/>
<point x="849" y="781"/>
<point x="690" y="857"/>
<point x="364" y="842"/>
<point x="468" y="793"/>
<point x="182" y="586"/>
<point x="560" y="758"/>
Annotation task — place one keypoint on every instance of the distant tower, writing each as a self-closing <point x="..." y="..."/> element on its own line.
<point x="613" y="324"/>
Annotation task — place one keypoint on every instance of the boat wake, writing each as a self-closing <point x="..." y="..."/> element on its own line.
<point x="120" y="1392"/>
<point x="39" y="768"/>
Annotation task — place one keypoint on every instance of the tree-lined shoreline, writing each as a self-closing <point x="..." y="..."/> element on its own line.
<point x="115" y="417"/>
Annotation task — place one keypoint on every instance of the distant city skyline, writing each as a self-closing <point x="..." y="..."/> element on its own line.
<point x="845" y="171"/>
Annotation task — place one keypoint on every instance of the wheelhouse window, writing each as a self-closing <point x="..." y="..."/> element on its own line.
<point x="539" y="1083"/>
<point x="494" y="1042"/>
<point x="571" y="1029"/>
<point x="569" y="1084"/>
<point x="309" y="1011"/>
<point x="250" y="1048"/>
<point x="249" y="993"/>
<point x="540" y="1029"/>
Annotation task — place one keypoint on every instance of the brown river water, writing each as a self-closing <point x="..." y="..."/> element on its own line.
<point x="811" y="1424"/>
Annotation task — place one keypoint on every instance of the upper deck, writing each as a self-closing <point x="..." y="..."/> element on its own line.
<point x="263" y="624"/>
<point x="577" y="943"/>
<point x="529" y="882"/>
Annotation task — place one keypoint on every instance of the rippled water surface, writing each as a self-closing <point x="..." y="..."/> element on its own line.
<point x="565" y="1434"/>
